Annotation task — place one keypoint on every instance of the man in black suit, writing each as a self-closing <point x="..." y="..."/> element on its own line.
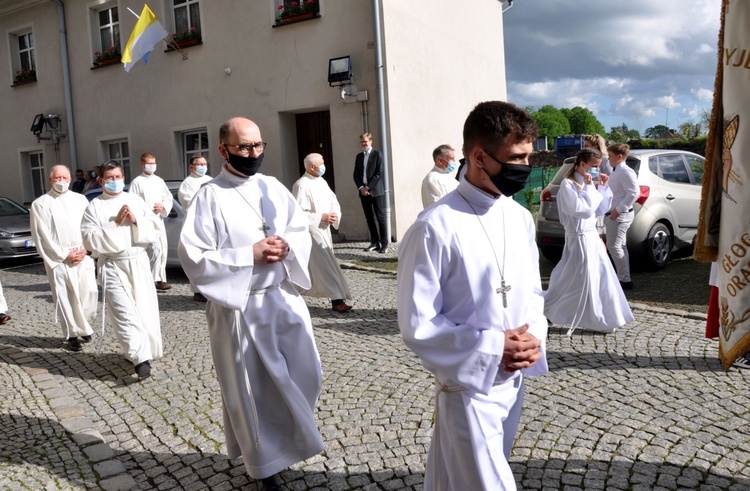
<point x="368" y="176"/>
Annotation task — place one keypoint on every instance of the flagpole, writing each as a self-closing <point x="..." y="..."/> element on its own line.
<point x="172" y="43"/>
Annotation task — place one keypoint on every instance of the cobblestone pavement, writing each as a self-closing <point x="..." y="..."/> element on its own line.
<point x="646" y="408"/>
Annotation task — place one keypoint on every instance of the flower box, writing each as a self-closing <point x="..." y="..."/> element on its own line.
<point x="110" y="61"/>
<point x="25" y="81"/>
<point x="297" y="18"/>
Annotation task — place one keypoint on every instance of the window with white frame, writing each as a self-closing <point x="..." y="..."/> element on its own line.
<point x="118" y="151"/>
<point x="24" y="56"/>
<point x="187" y="17"/>
<point x="105" y="31"/>
<point x="109" y="28"/>
<point x="194" y="143"/>
<point x="36" y="172"/>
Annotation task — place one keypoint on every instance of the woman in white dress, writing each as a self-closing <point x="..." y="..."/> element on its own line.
<point x="583" y="289"/>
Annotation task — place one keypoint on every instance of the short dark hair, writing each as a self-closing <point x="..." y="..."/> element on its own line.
<point x="109" y="165"/>
<point x="196" y="157"/>
<point x="489" y="123"/>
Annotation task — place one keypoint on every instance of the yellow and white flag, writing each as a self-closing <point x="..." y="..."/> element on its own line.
<point x="146" y="35"/>
<point x="724" y="227"/>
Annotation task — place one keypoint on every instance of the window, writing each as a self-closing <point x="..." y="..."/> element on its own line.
<point x="187" y="16"/>
<point x="105" y="32"/>
<point x="194" y="143"/>
<point x="109" y="29"/>
<point x="289" y="11"/>
<point x="696" y="165"/>
<point x="24" y="57"/>
<point x="119" y="152"/>
<point x="672" y="168"/>
<point x="36" y="171"/>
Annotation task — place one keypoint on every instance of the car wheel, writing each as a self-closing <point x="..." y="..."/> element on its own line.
<point x="552" y="253"/>
<point x="658" y="246"/>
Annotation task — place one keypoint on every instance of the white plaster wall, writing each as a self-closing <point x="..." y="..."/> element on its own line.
<point x="440" y="62"/>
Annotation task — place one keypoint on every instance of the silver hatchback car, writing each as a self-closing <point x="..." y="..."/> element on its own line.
<point x="666" y="211"/>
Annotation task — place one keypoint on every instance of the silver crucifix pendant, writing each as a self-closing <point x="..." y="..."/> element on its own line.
<point x="264" y="228"/>
<point x="503" y="290"/>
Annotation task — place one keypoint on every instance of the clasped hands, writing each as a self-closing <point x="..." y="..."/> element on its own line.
<point x="270" y="250"/>
<point x="125" y="214"/>
<point x="75" y="256"/>
<point x="364" y="191"/>
<point x="521" y="349"/>
<point x="329" y="217"/>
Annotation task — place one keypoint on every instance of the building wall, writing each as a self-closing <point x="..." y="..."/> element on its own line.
<point x="276" y="72"/>
<point x="432" y="86"/>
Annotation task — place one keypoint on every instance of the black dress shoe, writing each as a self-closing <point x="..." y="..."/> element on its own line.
<point x="383" y="249"/>
<point x="86" y="339"/>
<point x="267" y="484"/>
<point x="626" y="285"/>
<point x="143" y="370"/>
<point x="74" y="344"/>
<point x="372" y="247"/>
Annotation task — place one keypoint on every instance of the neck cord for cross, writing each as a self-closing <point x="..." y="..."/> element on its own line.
<point x="504" y="289"/>
<point x="263" y="227"/>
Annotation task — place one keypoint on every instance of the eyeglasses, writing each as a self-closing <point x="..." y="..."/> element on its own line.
<point x="244" y="148"/>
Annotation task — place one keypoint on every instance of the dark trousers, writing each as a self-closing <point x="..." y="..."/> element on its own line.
<point x="374" y="208"/>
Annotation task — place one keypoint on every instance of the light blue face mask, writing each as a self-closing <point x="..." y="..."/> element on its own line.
<point x="114" y="187"/>
<point x="594" y="172"/>
<point x="321" y="170"/>
<point x="451" y="167"/>
<point x="201" y="169"/>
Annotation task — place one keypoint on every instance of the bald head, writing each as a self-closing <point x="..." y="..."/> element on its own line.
<point x="313" y="162"/>
<point x="236" y="126"/>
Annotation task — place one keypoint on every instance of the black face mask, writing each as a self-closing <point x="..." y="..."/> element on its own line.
<point x="512" y="177"/>
<point x="247" y="166"/>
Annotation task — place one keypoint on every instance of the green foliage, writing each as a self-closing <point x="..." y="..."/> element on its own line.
<point x="695" y="145"/>
<point x="552" y="123"/>
<point x="583" y="122"/>
<point x="622" y="134"/>
<point x="658" y="131"/>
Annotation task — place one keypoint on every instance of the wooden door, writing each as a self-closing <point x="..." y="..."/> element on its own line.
<point x="314" y="136"/>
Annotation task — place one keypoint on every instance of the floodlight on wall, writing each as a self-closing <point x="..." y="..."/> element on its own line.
<point x="339" y="71"/>
<point x="52" y="120"/>
<point x="38" y="125"/>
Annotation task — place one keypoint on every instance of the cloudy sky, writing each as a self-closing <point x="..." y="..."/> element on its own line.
<point x="641" y="62"/>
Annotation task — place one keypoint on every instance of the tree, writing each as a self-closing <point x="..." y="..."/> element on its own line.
<point x="691" y="129"/>
<point x="619" y="133"/>
<point x="582" y="121"/>
<point x="552" y="123"/>
<point x="658" y="131"/>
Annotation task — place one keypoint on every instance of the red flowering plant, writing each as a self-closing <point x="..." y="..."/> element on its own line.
<point x="112" y="53"/>
<point x="298" y="7"/>
<point x="25" y="75"/>
<point x="192" y="33"/>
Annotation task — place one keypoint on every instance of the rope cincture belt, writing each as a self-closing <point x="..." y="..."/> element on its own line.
<point x="261" y="291"/>
<point x="436" y="438"/>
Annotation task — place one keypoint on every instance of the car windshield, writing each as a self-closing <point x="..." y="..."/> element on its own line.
<point x="11" y="208"/>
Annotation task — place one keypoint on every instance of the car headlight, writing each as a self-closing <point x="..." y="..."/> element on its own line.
<point x="5" y="234"/>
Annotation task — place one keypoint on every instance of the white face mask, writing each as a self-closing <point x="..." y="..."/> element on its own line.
<point x="150" y="168"/>
<point x="60" y="186"/>
<point x="201" y="169"/>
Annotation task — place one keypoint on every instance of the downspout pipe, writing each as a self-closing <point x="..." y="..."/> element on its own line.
<point x="510" y="5"/>
<point x="382" y="114"/>
<point x="66" y="82"/>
